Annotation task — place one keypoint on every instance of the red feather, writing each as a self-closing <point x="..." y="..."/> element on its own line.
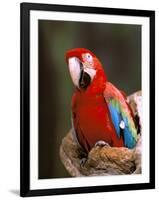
<point x="91" y="117"/>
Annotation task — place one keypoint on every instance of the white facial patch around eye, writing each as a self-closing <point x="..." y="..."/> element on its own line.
<point x="89" y="58"/>
<point x="74" y="68"/>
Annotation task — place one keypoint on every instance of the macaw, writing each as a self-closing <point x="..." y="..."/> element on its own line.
<point x="100" y="112"/>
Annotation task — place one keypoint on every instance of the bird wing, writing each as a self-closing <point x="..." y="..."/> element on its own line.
<point x="121" y="115"/>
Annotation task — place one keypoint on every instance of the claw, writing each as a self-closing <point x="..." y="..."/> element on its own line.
<point x="101" y="143"/>
<point x="83" y="161"/>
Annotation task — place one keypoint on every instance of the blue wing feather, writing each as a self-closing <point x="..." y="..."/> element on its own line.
<point x="116" y="117"/>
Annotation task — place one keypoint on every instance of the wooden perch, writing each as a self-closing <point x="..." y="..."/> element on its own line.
<point x="103" y="160"/>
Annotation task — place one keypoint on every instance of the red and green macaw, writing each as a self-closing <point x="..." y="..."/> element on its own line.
<point x="100" y="112"/>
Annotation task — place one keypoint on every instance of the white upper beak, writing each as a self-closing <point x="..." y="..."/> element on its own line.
<point x="74" y="68"/>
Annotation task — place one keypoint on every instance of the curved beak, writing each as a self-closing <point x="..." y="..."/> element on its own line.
<point x="81" y="74"/>
<point x="74" y="69"/>
<point x="80" y="78"/>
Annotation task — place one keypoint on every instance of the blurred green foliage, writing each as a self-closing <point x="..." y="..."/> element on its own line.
<point x="117" y="46"/>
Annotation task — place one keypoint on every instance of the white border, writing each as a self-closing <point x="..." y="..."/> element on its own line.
<point x="35" y="183"/>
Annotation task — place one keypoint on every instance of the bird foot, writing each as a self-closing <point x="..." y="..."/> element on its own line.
<point x="101" y="143"/>
<point x="83" y="161"/>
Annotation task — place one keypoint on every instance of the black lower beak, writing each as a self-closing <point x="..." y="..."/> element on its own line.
<point x="85" y="80"/>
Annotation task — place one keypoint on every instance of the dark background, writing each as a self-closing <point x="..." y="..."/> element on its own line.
<point x="117" y="46"/>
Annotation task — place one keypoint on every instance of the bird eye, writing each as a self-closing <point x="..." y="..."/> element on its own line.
<point x="89" y="57"/>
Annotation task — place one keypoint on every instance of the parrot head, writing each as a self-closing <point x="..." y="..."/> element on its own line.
<point x="84" y="67"/>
